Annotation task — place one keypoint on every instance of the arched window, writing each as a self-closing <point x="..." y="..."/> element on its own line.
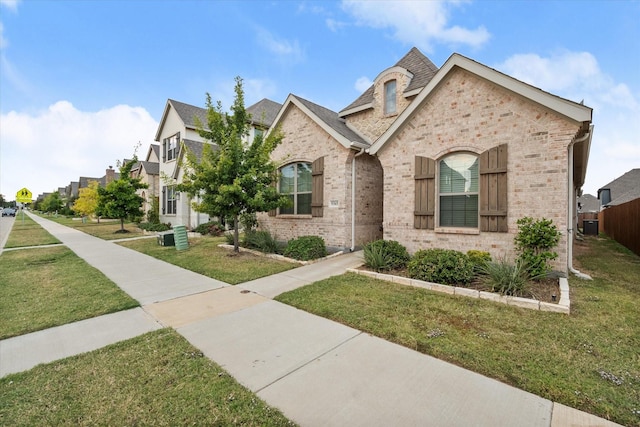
<point x="390" y="97"/>
<point x="295" y="181"/>
<point x="458" y="190"/>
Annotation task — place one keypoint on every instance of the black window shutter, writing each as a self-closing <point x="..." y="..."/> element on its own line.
<point x="164" y="199"/>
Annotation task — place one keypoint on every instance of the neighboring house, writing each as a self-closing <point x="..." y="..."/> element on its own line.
<point x="443" y="158"/>
<point x="179" y="128"/>
<point x="588" y="204"/>
<point x="620" y="190"/>
<point x="148" y="171"/>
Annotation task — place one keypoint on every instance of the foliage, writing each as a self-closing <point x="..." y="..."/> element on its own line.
<point x="534" y="243"/>
<point x="212" y="228"/>
<point x="261" y="240"/>
<point x="153" y="214"/>
<point x="248" y="221"/>
<point x="478" y="258"/>
<point x="52" y="203"/>
<point x="504" y="277"/>
<point x="305" y="248"/>
<point x="87" y="201"/>
<point x="443" y="266"/>
<point x="383" y="255"/>
<point x="119" y="198"/>
<point x="232" y="177"/>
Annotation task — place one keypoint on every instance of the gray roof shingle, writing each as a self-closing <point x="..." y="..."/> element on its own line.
<point x="624" y="188"/>
<point x="188" y="113"/>
<point x="264" y="112"/>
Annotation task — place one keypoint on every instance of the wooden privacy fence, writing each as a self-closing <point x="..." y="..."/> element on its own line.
<point x="622" y="224"/>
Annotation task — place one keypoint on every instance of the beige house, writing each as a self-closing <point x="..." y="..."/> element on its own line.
<point x="148" y="171"/>
<point x="435" y="158"/>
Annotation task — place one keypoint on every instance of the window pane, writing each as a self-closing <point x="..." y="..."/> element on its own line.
<point x="304" y="204"/>
<point x="304" y="177"/>
<point x="289" y="208"/>
<point x="459" y="174"/>
<point x="459" y="211"/>
<point x="287" y="179"/>
<point x="390" y="97"/>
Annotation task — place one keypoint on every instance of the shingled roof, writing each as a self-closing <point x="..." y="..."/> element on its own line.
<point x="624" y="188"/>
<point x="417" y="64"/>
<point x="188" y="113"/>
<point x="264" y="112"/>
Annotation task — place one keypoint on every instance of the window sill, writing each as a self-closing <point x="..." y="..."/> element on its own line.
<point x="454" y="230"/>
<point x="291" y="216"/>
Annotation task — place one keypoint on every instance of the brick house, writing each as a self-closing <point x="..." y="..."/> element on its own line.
<point x="446" y="158"/>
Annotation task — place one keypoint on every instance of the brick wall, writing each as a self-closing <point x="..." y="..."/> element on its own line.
<point x="467" y="113"/>
<point x="305" y="141"/>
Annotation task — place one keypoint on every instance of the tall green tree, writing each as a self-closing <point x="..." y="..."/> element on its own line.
<point x="233" y="177"/>
<point x="52" y="203"/>
<point x="119" y="198"/>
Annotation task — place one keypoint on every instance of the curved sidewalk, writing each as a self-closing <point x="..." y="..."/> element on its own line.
<point x="318" y="372"/>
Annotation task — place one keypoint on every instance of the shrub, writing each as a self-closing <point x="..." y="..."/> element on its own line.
<point x="504" y="277"/>
<point x="305" y="248"/>
<point x="149" y="226"/>
<point x="229" y="238"/>
<point x="385" y="255"/>
<point x="534" y="242"/>
<point x="260" y="240"/>
<point x="478" y="258"/>
<point x="212" y="228"/>
<point x="443" y="266"/>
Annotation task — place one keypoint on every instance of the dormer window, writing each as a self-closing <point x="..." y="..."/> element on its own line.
<point x="390" y="97"/>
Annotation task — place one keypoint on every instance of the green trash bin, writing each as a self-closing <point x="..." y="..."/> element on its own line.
<point x="180" y="237"/>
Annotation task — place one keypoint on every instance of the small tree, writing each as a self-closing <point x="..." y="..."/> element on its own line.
<point x="87" y="201"/>
<point x="534" y="242"/>
<point x="232" y="178"/>
<point x="52" y="203"/>
<point x="119" y="198"/>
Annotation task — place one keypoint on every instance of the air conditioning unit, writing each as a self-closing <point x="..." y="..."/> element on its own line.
<point x="166" y="238"/>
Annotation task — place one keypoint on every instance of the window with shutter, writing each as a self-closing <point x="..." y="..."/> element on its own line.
<point x="493" y="190"/>
<point x="458" y="190"/>
<point x="296" y="183"/>
<point x="317" y="188"/>
<point x="425" y="174"/>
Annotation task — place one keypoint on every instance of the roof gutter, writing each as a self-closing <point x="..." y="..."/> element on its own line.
<point x="571" y="210"/>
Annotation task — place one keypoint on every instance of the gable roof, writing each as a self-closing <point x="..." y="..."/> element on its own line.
<point x="195" y="147"/>
<point x="572" y="110"/>
<point x="264" y="112"/>
<point x="155" y="149"/>
<point x="588" y="203"/>
<point x="186" y="112"/>
<point x="327" y="119"/>
<point x="417" y="64"/>
<point x="623" y="189"/>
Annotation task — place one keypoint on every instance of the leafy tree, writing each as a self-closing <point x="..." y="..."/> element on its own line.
<point x="119" y="198"/>
<point x="87" y="201"/>
<point x="52" y="203"/>
<point x="232" y="177"/>
<point x="534" y="243"/>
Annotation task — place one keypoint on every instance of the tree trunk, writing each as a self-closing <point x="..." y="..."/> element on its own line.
<point x="122" y="224"/>
<point x="236" y="234"/>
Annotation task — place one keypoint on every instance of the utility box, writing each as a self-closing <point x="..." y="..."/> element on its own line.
<point x="166" y="238"/>
<point x="181" y="238"/>
<point x="590" y="227"/>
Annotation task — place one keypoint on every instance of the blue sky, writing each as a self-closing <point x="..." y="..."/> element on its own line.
<point x="82" y="82"/>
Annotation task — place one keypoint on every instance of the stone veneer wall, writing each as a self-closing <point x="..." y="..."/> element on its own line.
<point x="468" y="113"/>
<point x="305" y="141"/>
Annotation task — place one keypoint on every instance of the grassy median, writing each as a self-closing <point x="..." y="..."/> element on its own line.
<point x="587" y="360"/>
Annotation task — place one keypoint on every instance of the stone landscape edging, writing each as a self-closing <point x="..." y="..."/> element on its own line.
<point x="563" y="305"/>
<point x="282" y="257"/>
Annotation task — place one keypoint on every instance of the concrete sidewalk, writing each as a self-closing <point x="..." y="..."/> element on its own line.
<point x="318" y="372"/>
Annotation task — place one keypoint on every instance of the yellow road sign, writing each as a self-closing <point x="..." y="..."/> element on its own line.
<point x="24" y="196"/>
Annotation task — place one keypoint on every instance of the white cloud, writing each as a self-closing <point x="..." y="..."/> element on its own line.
<point x="10" y="4"/>
<point x="283" y="48"/>
<point x="3" y="41"/>
<point x="50" y="149"/>
<point x="615" y="147"/>
<point x="422" y="23"/>
<point x="334" y="25"/>
<point x="363" y="83"/>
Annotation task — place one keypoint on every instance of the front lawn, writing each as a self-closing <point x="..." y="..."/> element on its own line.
<point x="587" y="360"/>
<point x="155" y="379"/>
<point x="27" y="232"/>
<point x="46" y="287"/>
<point x="106" y="229"/>
<point x="205" y="257"/>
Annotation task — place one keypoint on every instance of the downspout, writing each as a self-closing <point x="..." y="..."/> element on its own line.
<point x="572" y="206"/>
<point x="353" y="198"/>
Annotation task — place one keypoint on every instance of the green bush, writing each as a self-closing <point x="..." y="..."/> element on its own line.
<point x="534" y="243"/>
<point x="305" y="248"/>
<point x="443" y="266"/>
<point x="228" y="237"/>
<point x="478" y="258"/>
<point x="504" y="277"/>
<point x="212" y="228"/>
<point x="383" y="255"/>
<point x="260" y="240"/>
<point x="149" y="226"/>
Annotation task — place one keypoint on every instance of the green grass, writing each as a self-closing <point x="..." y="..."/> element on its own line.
<point x="155" y="379"/>
<point x="105" y="229"/>
<point x="26" y="232"/>
<point x="588" y="360"/>
<point x="205" y="257"/>
<point x="45" y="287"/>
